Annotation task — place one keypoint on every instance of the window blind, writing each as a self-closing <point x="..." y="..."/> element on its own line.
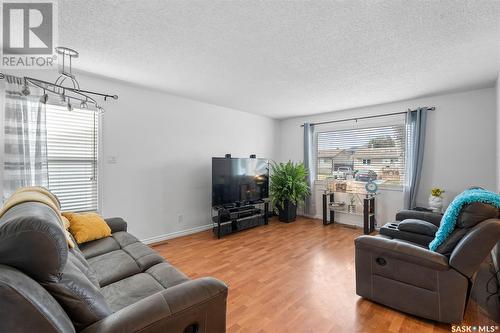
<point x="72" y="149"/>
<point x="363" y="154"/>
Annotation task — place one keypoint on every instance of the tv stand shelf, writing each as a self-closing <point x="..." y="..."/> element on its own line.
<point x="228" y="220"/>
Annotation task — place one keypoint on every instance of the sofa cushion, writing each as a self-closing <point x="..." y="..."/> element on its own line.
<point x="143" y="255"/>
<point x="130" y="290"/>
<point x="98" y="247"/>
<point x="113" y="266"/>
<point x="167" y="275"/>
<point x="124" y="238"/>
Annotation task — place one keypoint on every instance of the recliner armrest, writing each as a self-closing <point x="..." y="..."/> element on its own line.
<point x="201" y="301"/>
<point x="420" y="227"/>
<point x="431" y="217"/>
<point x="403" y="251"/>
<point x="116" y="224"/>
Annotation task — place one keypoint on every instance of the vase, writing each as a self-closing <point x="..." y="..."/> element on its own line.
<point x="288" y="212"/>
<point x="436" y="204"/>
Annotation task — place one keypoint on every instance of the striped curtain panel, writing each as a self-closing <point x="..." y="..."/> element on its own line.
<point x="25" y="138"/>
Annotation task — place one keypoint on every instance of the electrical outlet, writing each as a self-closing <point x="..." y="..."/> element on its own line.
<point x="180" y="218"/>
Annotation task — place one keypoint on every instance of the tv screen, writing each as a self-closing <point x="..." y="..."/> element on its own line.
<point x="239" y="180"/>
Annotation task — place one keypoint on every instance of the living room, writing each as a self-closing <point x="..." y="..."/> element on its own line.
<point x="385" y="105"/>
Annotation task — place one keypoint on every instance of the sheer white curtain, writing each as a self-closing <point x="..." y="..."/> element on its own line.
<point x="25" y="137"/>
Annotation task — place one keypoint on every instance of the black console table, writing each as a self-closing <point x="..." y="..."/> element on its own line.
<point x="368" y="202"/>
<point x="228" y="220"/>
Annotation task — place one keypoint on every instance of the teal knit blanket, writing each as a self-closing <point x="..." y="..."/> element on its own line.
<point x="451" y="214"/>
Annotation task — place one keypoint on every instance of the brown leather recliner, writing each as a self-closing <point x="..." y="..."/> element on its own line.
<point x="115" y="284"/>
<point x="409" y="277"/>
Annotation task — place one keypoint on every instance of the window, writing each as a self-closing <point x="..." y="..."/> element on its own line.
<point x="72" y="149"/>
<point x="375" y="151"/>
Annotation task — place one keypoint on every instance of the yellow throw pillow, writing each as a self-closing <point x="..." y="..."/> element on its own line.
<point x="86" y="227"/>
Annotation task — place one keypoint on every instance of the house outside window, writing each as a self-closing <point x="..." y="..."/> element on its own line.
<point x="379" y="150"/>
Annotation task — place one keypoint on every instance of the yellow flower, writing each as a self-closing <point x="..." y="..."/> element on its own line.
<point x="437" y="192"/>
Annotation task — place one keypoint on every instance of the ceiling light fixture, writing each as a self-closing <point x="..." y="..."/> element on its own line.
<point x="84" y="105"/>
<point x="66" y="85"/>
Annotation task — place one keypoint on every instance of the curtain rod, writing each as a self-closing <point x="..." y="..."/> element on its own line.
<point x="432" y="108"/>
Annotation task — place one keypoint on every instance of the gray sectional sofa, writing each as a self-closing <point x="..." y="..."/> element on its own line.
<point x="115" y="284"/>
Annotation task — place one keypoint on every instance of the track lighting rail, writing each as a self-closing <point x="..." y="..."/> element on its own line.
<point x="67" y="92"/>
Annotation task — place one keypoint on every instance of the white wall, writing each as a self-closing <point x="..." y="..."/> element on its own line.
<point x="498" y="130"/>
<point x="460" y="144"/>
<point x="163" y="146"/>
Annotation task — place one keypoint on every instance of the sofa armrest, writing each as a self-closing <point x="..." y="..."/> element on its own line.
<point x="402" y="250"/>
<point x="201" y="302"/>
<point x="431" y="217"/>
<point x="116" y="224"/>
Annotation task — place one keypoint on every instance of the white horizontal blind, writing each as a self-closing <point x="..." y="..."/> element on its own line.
<point x="373" y="153"/>
<point x="72" y="149"/>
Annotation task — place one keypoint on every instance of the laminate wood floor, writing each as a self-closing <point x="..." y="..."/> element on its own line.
<point x="296" y="277"/>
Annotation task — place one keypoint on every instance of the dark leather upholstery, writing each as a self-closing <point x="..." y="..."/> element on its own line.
<point x="116" y="224"/>
<point x="470" y="216"/>
<point x="392" y="230"/>
<point x="116" y="284"/>
<point x="27" y="231"/>
<point x="418" y="227"/>
<point x="25" y="306"/>
<point x="474" y="213"/>
<point x="82" y="300"/>
<point x="171" y="310"/>
<point x="413" y="279"/>
<point x="475" y="246"/>
<point x="98" y="247"/>
<point x="430" y="217"/>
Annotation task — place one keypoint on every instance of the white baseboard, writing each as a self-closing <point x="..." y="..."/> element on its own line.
<point x="176" y="234"/>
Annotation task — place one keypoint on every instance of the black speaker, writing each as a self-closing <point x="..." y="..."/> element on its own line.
<point x="253" y="156"/>
<point x="228" y="156"/>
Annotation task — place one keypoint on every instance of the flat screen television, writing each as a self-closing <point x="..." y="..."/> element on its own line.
<point x="239" y="180"/>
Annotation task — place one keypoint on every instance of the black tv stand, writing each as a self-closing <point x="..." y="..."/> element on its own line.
<point x="236" y="217"/>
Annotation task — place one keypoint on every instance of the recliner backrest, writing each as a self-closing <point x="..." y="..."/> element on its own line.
<point x="470" y="216"/>
<point x="475" y="246"/>
<point x="32" y="241"/>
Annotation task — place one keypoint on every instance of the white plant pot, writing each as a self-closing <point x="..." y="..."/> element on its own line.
<point x="436" y="204"/>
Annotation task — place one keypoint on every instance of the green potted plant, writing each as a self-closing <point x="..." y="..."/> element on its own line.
<point x="288" y="188"/>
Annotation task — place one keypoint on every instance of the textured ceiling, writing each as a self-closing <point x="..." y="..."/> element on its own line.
<point x="283" y="58"/>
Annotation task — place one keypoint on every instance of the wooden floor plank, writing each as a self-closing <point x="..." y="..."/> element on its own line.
<point x="296" y="277"/>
